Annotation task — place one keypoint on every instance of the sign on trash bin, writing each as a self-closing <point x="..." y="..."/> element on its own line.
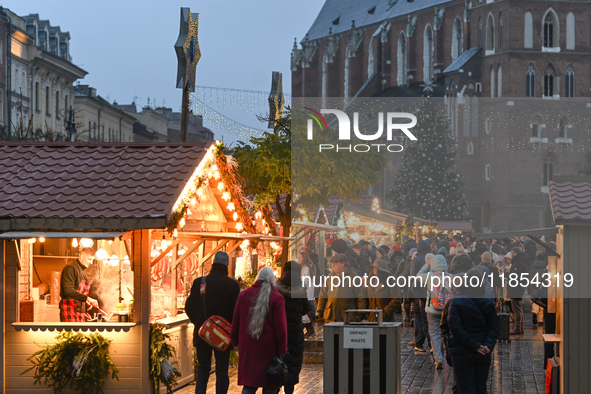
<point x="358" y="338"/>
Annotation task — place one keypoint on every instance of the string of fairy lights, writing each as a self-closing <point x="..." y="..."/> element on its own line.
<point x="221" y="124"/>
<point x="252" y="101"/>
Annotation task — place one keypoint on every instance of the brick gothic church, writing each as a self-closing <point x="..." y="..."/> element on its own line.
<point x="515" y="76"/>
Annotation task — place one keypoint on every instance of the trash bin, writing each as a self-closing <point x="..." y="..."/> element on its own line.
<point x="362" y="357"/>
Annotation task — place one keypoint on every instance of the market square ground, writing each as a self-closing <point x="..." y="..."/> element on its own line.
<point x="516" y="369"/>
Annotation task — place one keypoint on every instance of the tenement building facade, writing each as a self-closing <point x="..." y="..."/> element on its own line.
<point x="36" y="93"/>
<point x="515" y="79"/>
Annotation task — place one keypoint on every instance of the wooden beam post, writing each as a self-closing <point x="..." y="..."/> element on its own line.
<point x="193" y="248"/>
<point x="167" y="251"/>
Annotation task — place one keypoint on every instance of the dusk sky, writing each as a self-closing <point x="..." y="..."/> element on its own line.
<point x="127" y="47"/>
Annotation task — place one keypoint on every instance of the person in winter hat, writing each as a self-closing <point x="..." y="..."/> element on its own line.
<point x="221" y="293"/>
<point x="473" y="331"/>
<point x="435" y="267"/>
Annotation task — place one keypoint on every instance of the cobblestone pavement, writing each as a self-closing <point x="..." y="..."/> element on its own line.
<point x="517" y="369"/>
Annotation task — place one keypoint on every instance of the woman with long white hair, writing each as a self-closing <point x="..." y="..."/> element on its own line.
<point x="259" y="330"/>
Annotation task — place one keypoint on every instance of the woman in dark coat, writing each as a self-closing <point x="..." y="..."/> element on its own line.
<point x="259" y="330"/>
<point x="296" y="306"/>
<point x="473" y="331"/>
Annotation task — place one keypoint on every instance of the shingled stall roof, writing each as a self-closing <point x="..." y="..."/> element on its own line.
<point x="90" y="186"/>
<point x="571" y="199"/>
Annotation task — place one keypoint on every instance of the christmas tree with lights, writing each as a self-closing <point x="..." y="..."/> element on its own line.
<point x="428" y="185"/>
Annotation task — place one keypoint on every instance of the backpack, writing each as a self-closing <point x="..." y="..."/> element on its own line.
<point x="440" y="294"/>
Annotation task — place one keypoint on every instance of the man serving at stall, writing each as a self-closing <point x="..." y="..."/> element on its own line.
<point x="75" y="288"/>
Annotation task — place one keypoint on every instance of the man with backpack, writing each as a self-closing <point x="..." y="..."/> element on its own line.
<point x="437" y="281"/>
<point x="221" y="293"/>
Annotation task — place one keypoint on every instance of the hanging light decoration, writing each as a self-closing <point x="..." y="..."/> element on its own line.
<point x="86" y="242"/>
<point x="41" y="239"/>
<point x="221" y="186"/>
<point x="226" y="196"/>
<point x="235" y="216"/>
<point x="114" y="260"/>
<point x="102" y="254"/>
<point x="239" y="226"/>
<point x="32" y="240"/>
<point x="75" y="243"/>
<point x="231" y="206"/>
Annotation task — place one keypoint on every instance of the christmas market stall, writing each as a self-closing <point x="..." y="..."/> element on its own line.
<point x="363" y="219"/>
<point x="152" y="216"/>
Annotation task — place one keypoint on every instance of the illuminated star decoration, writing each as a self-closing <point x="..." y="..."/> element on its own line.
<point x="276" y="100"/>
<point x="187" y="50"/>
<point x="428" y="86"/>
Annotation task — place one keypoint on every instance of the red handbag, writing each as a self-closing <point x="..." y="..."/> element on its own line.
<point x="216" y="330"/>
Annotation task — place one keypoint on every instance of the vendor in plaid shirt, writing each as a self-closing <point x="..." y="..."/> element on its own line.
<point x="75" y="287"/>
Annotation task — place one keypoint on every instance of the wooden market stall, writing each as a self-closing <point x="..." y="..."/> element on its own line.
<point x="570" y="198"/>
<point x="155" y="213"/>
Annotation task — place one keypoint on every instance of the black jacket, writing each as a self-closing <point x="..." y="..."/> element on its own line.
<point x="221" y="293"/>
<point x="295" y="308"/>
<point x="519" y="265"/>
<point x="72" y="275"/>
<point x="408" y="245"/>
<point x="472" y="322"/>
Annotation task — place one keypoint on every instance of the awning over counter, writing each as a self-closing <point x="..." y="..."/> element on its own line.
<point x="56" y="234"/>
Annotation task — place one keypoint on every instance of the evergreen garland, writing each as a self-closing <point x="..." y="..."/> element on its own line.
<point x="77" y="361"/>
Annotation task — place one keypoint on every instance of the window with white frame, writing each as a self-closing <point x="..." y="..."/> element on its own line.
<point x="470" y="148"/>
<point x="549" y="82"/>
<point x="47" y="101"/>
<point x="487" y="172"/>
<point x="490" y="34"/>
<point x="528" y="30"/>
<point x="57" y="104"/>
<point x="548" y="170"/>
<point x="569" y="81"/>
<point x="401" y="60"/>
<point x="530" y="81"/>
<point x="551" y="30"/>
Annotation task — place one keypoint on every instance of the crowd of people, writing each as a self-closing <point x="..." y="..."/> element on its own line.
<point x="457" y="323"/>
